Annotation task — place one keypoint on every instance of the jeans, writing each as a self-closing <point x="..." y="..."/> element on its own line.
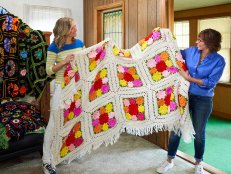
<point x="200" y="108"/>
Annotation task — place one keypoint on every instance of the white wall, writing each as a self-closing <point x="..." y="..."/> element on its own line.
<point x="16" y="7"/>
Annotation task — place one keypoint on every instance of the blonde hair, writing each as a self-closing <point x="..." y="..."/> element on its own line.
<point x="61" y="30"/>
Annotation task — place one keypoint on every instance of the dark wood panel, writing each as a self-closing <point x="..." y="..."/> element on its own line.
<point x="132" y="23"/>
<point x="152" y="15"/>
<point x="142" y="18"/>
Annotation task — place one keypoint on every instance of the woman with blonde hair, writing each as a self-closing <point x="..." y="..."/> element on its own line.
<point x="65" y="32"/>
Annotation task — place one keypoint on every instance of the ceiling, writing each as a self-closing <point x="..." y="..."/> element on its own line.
<point x="191" y="4"/>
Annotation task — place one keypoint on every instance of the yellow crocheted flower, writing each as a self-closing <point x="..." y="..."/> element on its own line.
<point x="128" y="116"/>
<point x="157" y="76"/>
<point x="172" y="97"/>
<point x="141" y="108"/>
<point x="127" y="53"/>
<point x="77" y="95"/>
<point x="163" y="109"/>
<point x="63" y="84"/>
<point x="123" y="83"/>
<point x="92" y="65"/>
<point x="105" y="127"/>
<point x="144" y="45"/>
<point x="109" y="107"/>
<point x="168" y="63"/>
<point x="103" y="73"/>
<point x="136" y="76"/>
<point x="78" y="134"/>
<point x="70" y="115"/>
<point x="98" y="92"/>
<point x="115" y="51"/>
<point x="64" y="151"/>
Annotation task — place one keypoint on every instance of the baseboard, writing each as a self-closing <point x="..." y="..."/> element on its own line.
<point x="222" y="115"/>
<point x="206" y="166"/>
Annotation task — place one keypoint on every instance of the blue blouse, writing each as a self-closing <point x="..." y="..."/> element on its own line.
<point x="54" y="48"/>
<point x="209" y="71"/>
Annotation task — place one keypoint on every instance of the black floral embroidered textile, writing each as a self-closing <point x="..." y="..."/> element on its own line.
<point x="20" y="118"/>
<point x="23" y="53"/>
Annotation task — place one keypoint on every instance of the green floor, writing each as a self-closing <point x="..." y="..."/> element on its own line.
<point x="218" y="144"/>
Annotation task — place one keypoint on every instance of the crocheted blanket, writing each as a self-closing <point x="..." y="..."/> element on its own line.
<point x="107" y="91"/>
<point x="23" y="53"/>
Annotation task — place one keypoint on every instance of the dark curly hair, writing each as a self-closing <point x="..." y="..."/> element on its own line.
<point x="211" y="38"/>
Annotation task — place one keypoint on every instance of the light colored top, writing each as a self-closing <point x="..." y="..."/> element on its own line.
<point x="55" y="55"/>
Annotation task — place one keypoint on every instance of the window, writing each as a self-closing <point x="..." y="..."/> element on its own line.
<point x="223" y="25"/>
<point x="112" y="26"/>
<point x="43" y="18"/>
<point x="181" y="31"/>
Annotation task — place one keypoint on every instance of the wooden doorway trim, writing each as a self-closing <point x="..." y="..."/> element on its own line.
<point x="98" y="11"/>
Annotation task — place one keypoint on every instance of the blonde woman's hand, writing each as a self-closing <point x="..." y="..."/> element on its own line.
<point x="69" y="58"/>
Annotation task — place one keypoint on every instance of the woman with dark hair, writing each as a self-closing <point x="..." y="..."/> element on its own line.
<point x="205" y="67"/>
<point x="65" y="42"/>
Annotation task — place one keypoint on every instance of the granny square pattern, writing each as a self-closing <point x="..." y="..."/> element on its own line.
<point x="138" y="91"/>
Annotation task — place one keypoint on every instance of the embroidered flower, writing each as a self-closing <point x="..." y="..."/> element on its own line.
<point x="99" y="86"/>
<point x="74" y="109"/>
<point x="128" y="77"/>
<point x="134" y="108"/>
<point x="182" y="102"/>
<point x="166" y="101"/>
<point x="23" y="72"/>
<point x="103" y="119"/>
<point x="119" y="52"/>
<point x="70" y="73"/>
<point x="180" y="61"/>
<point x="96" y="56"/>
<point x="150" y="39"/>
<point x="161" y="66"/>
<point x="72" y="140"/>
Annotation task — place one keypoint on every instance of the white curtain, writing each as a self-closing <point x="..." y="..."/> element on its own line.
<point x="43" y="17"/>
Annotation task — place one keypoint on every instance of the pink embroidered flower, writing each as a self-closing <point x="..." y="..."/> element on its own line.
<point x="156" y="35"/>
<point x="151" y="63"/>
<point x="23" y="72"/>
<point x="112" y="122"/>
<point x="111" y="115"/>
<point x="157" y="58"/>
<point x="134" y="117"/>
<point x="165" y="73"/>
<point x="99" y="49"/>
<point x="92" y="54"/>
<point x="140" y="116"/>
<point x="168" y="90"/>
<point x="77" y="103"/>
<point x="71" y="147"/>
<point x="66" y="113"/>
<point x="96" y="115"/>
<point x="95" y="122"/>
<point x="120" y="69"/>
<point x="126" y="102"/>
<point x="161" y="94"/>
<point x="77" y="111"/>
<point x="132" y="101"/>
<point x="105" y="88"/>
<point x="71" y="73"/>
<point x="173" y="106"/>
<point x="102" y="55"/>
<point x="137" y="83"/>
<point x="172" y="69"/>
<point x="105" y="80"/>
<point x="130" y="84"/>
